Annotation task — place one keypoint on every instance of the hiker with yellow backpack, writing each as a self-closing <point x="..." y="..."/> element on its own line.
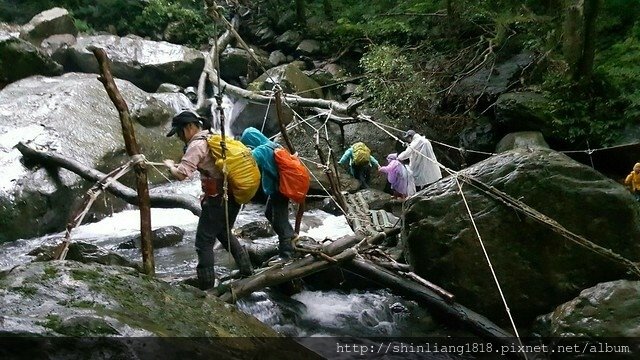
<point x="360" y="162"/>
<point x="284" y="177"/>
<point x="203" y="152"/>
<point x="632" y="181"/>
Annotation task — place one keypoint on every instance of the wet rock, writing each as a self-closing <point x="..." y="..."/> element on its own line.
<point x="145" y="63"/>
<point x="277" y="57"/>
<point x="291" y="79"/>
<point x="255" y="230"/>
<point x="84" y="253"/>
<point x="20" y="59"/>
<point x="246" y="114"/>
<point x="289" y="40"/>
<point x="50" y="22"/>
<point x="525" y="111"/>
<point x="607" y="310"/>
<point x="491" y="81"/>
<point x="537" y="268"/>
<point x="479" y="136"/>
<point x="235" y="62"/>
<point x="308" y="47"/>
<point x="72" y="115"/>
<point x="67" y="298"/>
<point x="165" y="236"/>
<point x="159" y="109"/>
<point x="169" y="88"/>
<point x="522" y="140"/>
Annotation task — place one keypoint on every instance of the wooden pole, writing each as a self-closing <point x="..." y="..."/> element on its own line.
<point x="106" y="78"/>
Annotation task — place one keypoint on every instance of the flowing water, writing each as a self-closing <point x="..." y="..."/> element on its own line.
<point x="354" y="313"/>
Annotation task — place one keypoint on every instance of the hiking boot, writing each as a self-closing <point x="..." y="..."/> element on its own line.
<point x="244" y="263"/>
<point x="206" y="277"/>
<point x="285" y="249"/>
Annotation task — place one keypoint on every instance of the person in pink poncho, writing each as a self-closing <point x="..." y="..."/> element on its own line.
<point x="399" y="177"/>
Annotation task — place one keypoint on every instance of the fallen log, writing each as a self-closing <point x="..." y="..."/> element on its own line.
<point x="274" y="276"/>
<point x="308" y="265"/>
<point x="116" y="188"/>
<point x="434" y="301"/>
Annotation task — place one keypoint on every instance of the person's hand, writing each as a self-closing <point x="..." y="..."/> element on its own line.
<point x="169" y="163"/>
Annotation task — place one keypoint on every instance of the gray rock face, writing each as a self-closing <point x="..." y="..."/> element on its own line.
<point x="74" y="299"/>
<point x="147" y="64"/>
<point x="522" y="140"/>
<point x="84" y="253"/>
<point x="277" y="57"/>
<point x="289" y="40"/>
<point x="73" y="116"/>
<point x="20" y="59"/>
<point x="525" y="111"/>
<point x="308" y="47"/>
<point x="607" y="310"/>
<point x="235" y="63"/>
<point x="292" y="80"/>
<point x="255" y="230"/>
<point x="160" y="238"/>
<point x="50" y="22"/>
<point x="499" y="78"/>
<point x="537" y="268"/>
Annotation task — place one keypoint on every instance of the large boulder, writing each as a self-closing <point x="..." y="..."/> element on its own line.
<point x="20" y="59"/>
<point x="69" y="302"/>
<point x="493" y="79"/>
<point x="73" y="116"/>
<point x="607" y="310"/>
<point x="291" y="79"/>
<point x="236" y="63"/>
<point x="50" y="22"/>
<point x="145" y="63"/>
<point x="523" y="139"/>
<point x="524" y="111"/>
<point x="537" y="268"/>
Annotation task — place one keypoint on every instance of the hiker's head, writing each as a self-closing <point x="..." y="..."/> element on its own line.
<point x="253" y="138"/>
<point x="636" y="168"/>
<point x="186" y="124"/>
<point x="391" y="157"/>
<point x="408" y="136"/>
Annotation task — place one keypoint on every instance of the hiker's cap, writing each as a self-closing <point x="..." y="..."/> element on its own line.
<point x="636" y="166"/>
<point x="409" y="134"/>
<point x="181" y="120"/>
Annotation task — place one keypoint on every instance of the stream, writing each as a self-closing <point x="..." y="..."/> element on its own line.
<point x="308" y="314"/>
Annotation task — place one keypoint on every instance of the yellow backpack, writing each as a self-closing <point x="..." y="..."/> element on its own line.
<point x="243" y="174"/>
<point x="361" y="153"/>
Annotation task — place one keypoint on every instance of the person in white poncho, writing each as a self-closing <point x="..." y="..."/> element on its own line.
<point x="422" y="161"/>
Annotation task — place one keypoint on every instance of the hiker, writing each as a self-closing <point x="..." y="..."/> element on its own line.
<point x="422" y="161"/>
<point x="633" y="181"/>
<point x="360" y="162"/>
<point x="399" y="176"/>
<point x="212" y="224"/>
<point x="277" y="211"/>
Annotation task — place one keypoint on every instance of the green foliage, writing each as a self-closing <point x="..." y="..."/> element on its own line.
<point x="179" y="22"/>
<point x="394" y="85"/>
<point x="584" y="114"/>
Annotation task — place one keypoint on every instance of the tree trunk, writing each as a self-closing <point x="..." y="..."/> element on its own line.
<point x="301" y="16"/>
<point x="584" y="68"/>
<point x="572" y="44"/>
<point x="328" y="9"/>
<point x="139" y="167"/>
<point x="166" y="201"/>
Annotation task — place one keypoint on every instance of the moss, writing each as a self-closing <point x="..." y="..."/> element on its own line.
<point x="89" y="276"/>
<point x="53" y="322"/>
<point x="28" y="291"/>
<point x="50" y="273"/>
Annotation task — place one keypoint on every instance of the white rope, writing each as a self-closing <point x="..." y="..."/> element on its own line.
<point x="266" y="113"/>
<point x="486" y="256"/>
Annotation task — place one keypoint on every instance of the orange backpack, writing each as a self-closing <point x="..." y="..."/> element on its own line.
<point x="294" y="178"/>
